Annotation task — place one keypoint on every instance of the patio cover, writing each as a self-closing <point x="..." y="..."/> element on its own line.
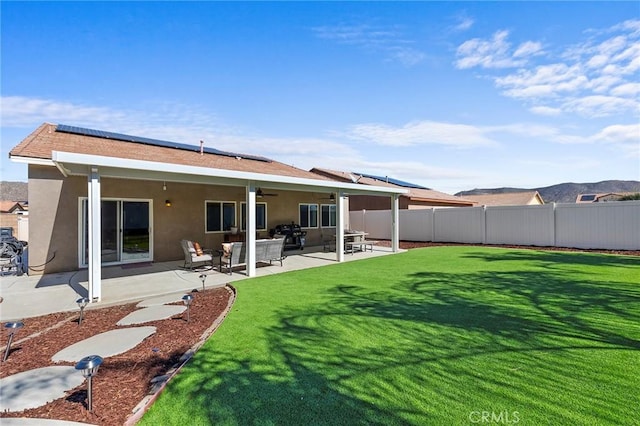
<point x="97" y="166"/>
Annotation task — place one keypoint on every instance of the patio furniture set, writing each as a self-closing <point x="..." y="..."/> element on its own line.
<point x="267" y="250"/>
<point x="231" y="254"/>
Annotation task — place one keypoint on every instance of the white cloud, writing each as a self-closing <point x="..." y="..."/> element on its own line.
<point x="388" y="41"/>
<point x="594" y="78"/>
<point x="19" y="111"/>
<point x="627" y="90"/>
<point x="494" y="53"/>
<point x="545" y="110"/>
<point x="528" y="48"/>
<point x="600" y="106"/>
<point x="421" y="133"/>
<point x="464" y="23"/>
<point x="623" y="137"/>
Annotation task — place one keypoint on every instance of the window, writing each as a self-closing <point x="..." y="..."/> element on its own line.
<point x="261" y="216"/>
<point x="328" y="215"/>
<point x="308" y="215"/>
<point x="220" y="215"/>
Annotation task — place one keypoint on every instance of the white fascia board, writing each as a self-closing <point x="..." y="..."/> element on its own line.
<point x="32" y="160"/>
<point x="123" y="165"/>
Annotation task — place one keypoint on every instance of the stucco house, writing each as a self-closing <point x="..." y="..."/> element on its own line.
<point x="525" y="198"/>
<point x="101" y="198"/>
<point x="416" y="197"/>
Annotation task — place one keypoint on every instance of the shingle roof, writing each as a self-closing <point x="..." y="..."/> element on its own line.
<point x="506" y="199"/>
<point x="10" y="206"/>
<point x="45" y="139"/>
<point x="415" y="194"/>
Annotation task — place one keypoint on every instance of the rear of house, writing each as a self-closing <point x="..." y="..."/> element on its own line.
<point x="155" y="193"/>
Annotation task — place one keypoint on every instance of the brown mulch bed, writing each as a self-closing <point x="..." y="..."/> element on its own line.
<point x="406" y="245"/>
<point x="122" y="380"/>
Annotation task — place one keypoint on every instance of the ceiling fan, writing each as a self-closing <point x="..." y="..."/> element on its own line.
<point x="260" y="194"/>
<point x="331" y="198"/>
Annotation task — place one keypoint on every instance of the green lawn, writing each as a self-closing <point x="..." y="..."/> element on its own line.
<point x="442" y="335"/>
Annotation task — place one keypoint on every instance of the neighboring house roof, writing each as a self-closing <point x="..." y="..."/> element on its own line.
<point x="416" y="192"/>
<point x="11" y="206"/>
<point x="50" y="137"/>
<point x="507" y="199"/>
<point x="596" y="198"/>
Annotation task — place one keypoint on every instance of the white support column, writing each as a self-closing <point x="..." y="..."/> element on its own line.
<point x="340" y="210"/>
<point x="250" y="239"/>
<point x="95" y="240"/>
<point x="395" y="226"/>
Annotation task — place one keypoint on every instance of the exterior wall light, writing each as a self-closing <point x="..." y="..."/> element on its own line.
<point x="187" y="299"/>
<point x="82" y="303"/>
<point x="89" y="366"/>
<point x="167" y="203"/>
<point x="12" y="328"/>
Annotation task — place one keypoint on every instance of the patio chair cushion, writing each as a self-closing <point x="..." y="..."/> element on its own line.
<point x="190" y="247"/>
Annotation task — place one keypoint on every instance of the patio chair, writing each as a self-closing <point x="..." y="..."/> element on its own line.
<point x="191" y="256"/>
<point x="328" y="242"/>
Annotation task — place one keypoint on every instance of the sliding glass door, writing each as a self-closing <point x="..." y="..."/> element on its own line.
<point x="135" y="230"/>
<point x="126" y="231"/>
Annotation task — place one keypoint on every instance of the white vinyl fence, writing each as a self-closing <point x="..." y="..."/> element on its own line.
<point x="611" y="226"/>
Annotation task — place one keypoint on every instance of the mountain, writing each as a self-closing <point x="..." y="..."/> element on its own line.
<point x="13" y="191"/>
<point x="566" y="192"/>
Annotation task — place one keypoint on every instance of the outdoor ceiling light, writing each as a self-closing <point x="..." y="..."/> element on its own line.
<point x="167" y="203"/>
<point x="164" y="186"/>
<point x="187" y="299"/>
<point x="82" y="303"/>
<point x="12" y="328"/>
<point x="89" y="366"/>
<point x="203" y="278"/>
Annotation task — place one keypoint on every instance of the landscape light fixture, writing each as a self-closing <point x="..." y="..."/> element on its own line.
<point x="12" y="328"/>
<point x="203" y="278"/>
<point x="82" y="303"/>
<point x="187" y="299"/>
<point x="89" y="366"/>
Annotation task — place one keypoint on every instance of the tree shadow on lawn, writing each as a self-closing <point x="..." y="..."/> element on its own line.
<point x="551" y="258"/>
<point x="444" y="331"/>
<point x="426" y="350"/>
<point x="246" y="392"/>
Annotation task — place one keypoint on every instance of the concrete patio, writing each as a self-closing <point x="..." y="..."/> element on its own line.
<point x="29" y="296"/>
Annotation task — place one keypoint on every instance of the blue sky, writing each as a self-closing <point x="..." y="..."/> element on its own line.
<point x="450" y="95"/>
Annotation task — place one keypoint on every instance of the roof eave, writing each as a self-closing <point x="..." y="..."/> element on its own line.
<point x="80" y="164"/>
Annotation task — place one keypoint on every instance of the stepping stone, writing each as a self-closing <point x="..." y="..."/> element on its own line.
<point x="35" y="388"/>
<point x="152" y="313"/>
<point x="106" y="344"/>
<point x="161" y="300"/>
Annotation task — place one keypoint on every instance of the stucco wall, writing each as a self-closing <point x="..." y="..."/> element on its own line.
<point x="54" y="211"/>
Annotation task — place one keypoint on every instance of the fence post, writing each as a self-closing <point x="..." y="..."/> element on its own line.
<point x="484" y="224"/>
<point x="554" y="225"/>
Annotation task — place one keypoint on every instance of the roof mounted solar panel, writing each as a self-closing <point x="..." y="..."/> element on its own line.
<point x="148" y="141"/>
<point x="393" y="181"/>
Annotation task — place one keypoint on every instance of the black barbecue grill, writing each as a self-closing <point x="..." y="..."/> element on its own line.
<point x="294" y="236"/>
